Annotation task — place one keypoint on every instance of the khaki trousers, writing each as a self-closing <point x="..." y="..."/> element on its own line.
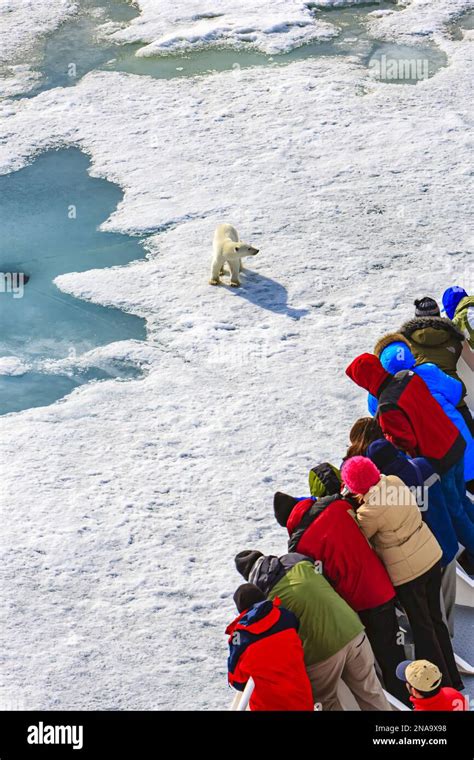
<point x="355" y="665"/>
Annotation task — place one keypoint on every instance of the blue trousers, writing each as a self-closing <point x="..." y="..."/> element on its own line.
<point x="438" y="519"/>
<point x="459" y="505"/>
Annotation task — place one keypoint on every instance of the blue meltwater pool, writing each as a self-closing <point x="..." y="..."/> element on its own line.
<point x="50" y="213"/>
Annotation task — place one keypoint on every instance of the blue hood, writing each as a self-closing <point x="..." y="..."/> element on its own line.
<point x="396" y="357"/>
<point x="451" y="299"/>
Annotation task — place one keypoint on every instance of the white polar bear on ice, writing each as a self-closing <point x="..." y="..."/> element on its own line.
<point x="227" y="247"/>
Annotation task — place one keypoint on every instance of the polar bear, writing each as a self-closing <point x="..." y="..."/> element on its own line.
<point x="227" y="247"/>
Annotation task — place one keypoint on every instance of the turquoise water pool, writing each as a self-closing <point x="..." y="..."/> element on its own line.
<point x="50" y="212"/>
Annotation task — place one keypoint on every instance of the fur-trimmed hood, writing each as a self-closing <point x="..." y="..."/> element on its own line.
<point x="387" y="340"/>
<point x="431" y="330"/>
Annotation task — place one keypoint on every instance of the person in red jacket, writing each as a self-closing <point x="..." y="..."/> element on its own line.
<point x="327" y="530"/>
<point x="264" y="645"/>
<point x="408" y="414"/>
<point x="412" y="419"/>
<point x="423" y="681"/>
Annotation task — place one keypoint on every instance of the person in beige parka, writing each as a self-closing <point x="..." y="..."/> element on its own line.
<point x="391" y="520"/>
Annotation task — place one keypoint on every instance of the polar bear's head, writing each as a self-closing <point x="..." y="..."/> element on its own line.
<point x="238" y="250"/>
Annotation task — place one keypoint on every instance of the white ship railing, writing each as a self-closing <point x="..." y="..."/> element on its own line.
<point x="241" y="699"/>
<point x="464" y="588"/>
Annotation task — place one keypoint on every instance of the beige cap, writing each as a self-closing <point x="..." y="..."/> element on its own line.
<point x="421" y="674"/>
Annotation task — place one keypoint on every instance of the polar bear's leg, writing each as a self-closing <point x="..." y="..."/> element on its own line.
<point x="234" y="273"/>
<point x="216" y="269"/>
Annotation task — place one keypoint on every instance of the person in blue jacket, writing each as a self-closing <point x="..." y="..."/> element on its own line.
<point x="395" y="356"/>
<point x="367" y="439"/>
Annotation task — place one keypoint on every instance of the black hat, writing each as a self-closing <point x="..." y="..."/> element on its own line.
<point x="244" y="561"/>
<point x="283" y="507"/>
<point x="247" y="595"/>
<point x="426" y="307"/>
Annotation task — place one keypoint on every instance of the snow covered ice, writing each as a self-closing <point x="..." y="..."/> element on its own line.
<point x="130" y="499"/>
<point x="166" y="26"/>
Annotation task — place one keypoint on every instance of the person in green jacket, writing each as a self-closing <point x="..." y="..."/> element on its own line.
<point x="460" y="309"/>
<point x="437" y="340"/>
<point x="334" y="641"/>
<point x="324" y="480"/>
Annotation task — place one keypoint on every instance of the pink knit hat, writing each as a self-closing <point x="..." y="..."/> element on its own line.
<point x="359" y="474"/>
